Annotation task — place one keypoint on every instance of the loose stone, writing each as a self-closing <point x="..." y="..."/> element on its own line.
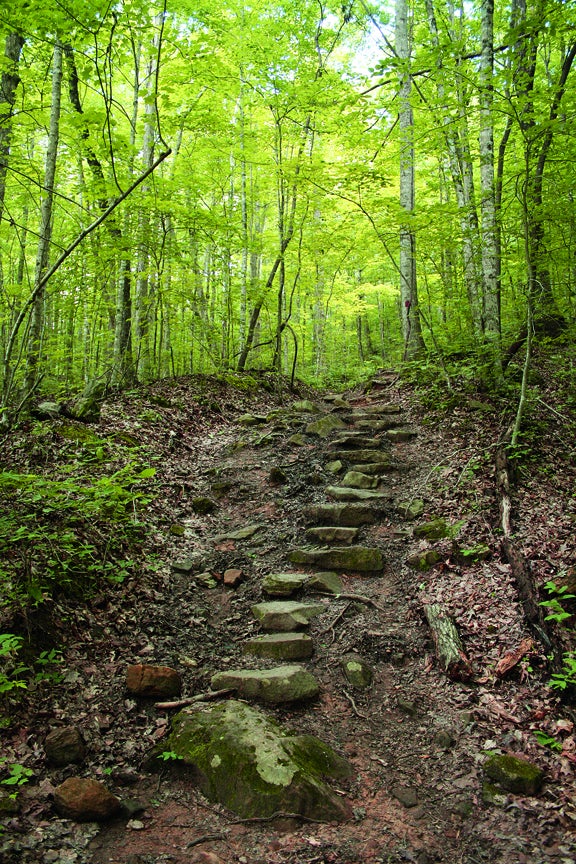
<point x="515" y="775"/>
<point x="157" y="681"/>
<point x="64" y="746"/>
<point x="280" y="646"/>
<point x="85" y="800"/>
<point x="358" y="480"/>
<point x="286" y="615"/>
<point x="325" y="425"/>
<point x="283" y="584"/>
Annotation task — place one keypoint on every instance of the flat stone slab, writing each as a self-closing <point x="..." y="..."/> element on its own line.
<point x="400" y="434"/>
<point x="375" y="469"/>
<point x="346" y="493"/>
<point x="283" y="584"/>
<point x="280" y="646"/>
<point x="244" y="760"/>
<point x="240" y="533"/>
<point x="363" y="559"/>
<point x="332" y="534"/>
<point x="342" y="514"/>
<point x="362" y="455"/>
<point x="286" y="615"/>
<point x="374" y="425"/>
<point x="326" y="583"/>
<point x="354" y="441"/>
<point x="359" y="480"/>
<point x="278" y="685"/>
<point x="325" y="425"/>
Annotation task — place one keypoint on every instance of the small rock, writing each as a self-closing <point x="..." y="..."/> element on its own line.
<point x="346" y="493"/>
<point x="232" y="577"/>
<point x="514" y="775"/>
<point x="444" y="738"/>
<point x="357" y="672"/>
<point x="297" y="440"/>
<point x="305" y="406"/>
<point x="153" y="681"/>
<point x="407" y="796"/>
<point x="408" y="707"/>
<point x="333" y="467"/>
<point x="202" y="506"/>
<point x="251" y="420"/>
<point x="207" y="580"/>
<point x="85" y="800"/>
<point x="362" y="456"/>
<point x="177" y="530"/>
<point x="424" y="560"/>
<point x="64" y="746"/>
<point x="240" y="533"/>
<point x="277" y="477"/>
<point x="400" y="434"/>
<point x="410" y="509"/>
<point x="436" y="529"/>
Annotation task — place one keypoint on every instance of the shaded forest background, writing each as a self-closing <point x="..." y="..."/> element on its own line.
<point x="309" y="186"/>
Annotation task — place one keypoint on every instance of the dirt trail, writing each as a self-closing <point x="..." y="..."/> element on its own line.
<point x="417" y="739"/>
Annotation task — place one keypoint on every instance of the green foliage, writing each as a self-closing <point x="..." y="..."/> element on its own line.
<point x="567" y="676"/>
<point x="546" y="740"/>
<point x="65" y="536"/>
<point x="168" y="756"/>
<point x="557" y="612"/>
<point x="18" y="775"/>
<point x="10" y="645"/>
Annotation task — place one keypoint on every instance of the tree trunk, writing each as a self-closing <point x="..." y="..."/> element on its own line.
<point x="411" y="329"/>
<point x="45" y="231"/>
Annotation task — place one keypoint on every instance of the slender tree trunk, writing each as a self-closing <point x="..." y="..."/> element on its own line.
<point x="45" y="231"/>
<point x="413" y="341"/>
<point x="490" y="268"/>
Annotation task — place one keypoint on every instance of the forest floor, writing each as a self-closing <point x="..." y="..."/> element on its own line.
<point x="417" y="738"/>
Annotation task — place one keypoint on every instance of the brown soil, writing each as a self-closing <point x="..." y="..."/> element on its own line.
<point x="417" y="739"/>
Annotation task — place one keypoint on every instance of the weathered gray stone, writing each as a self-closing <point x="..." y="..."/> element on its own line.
<point x="400" y="434"/>
<point x="361" y="559"/>
<point x="286" y="615"/>
<point x="325" y="583"/>
<point x="406" y="795"/>
<point x="358" y="480"/>
<point x="375" y="425"/>
<point x="297" y="440"/>
<point x="357" y="672"/>
<point x="240" y="533"/>
<point x="345" y="493"/>
<point x="325" y="425"/>
<point x="305" y="406"/>
<point x="359" y="456"/>
<point x="333" y="467"/>
<point x="515" y="775"/>
<point x="280" y="646"/>
<point x="251" y="420"/>
<point x="248" y="763"/>
<point x="375" y="469"/>
<point x="378" y="408"/>
<point x="410" y="509"/>
<point x="355" y="441"/>
<point x="332" y="534"/>
<point x="278" y="685"/>
<point x="342" y="514"/>
<point x="436" y="529"/>
<point x="283" y="584"/>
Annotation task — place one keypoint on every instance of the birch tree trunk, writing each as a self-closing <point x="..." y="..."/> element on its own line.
<point x="45" y="230"/>
<point x="411" y="329"/>
<point x="490" y="268"/>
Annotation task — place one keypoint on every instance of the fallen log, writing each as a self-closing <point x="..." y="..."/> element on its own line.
<point x="449" y="648"/>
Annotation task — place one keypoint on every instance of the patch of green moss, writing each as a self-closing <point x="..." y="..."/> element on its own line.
<point x="79" y="432"/>
<point x="240" y="381"/>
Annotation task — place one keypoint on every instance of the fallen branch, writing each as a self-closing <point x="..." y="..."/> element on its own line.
<point x="360" y="598"/>
<point x="279" y="814"/>
<point x="200" y="697"/>
<point x="512" y="658"/>
<point x="204" y="839"/>
<point x="449" y="648"/>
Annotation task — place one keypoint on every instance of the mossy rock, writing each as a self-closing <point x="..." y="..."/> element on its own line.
<point x="283" y="584"/>
<point x="436" y="529"/>
<point x="305" y="406"/>
<point x="514" y="774"/>
<point x="79" y="432"/>
<point x="203" y="506"/>
<point x="280" y="646"/>
<point x="363" y="559"/>
<point x="177" y="530"/>
<point x="240" y="381"/>
<point x="410" y="509"/>
<point x="358" y="673"/>
<point x="424" y="560"/>
<point x="247" y="762"/>
<point x="324" y="426"/>
<point x="251" y="420"/>
<point x="275" y="686"/>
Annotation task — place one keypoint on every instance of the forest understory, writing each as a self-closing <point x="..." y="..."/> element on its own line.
<point x="95" y="516"/>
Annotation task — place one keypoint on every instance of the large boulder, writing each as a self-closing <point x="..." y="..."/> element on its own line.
<point x="247" y="762"/>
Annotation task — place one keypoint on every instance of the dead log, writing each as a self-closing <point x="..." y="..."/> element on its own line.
<point x="449" y="648"/>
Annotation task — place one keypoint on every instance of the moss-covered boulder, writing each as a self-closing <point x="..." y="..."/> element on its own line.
<point x="410" y="509"/>
<point x="325" y="425"/>
<point x="247" y="762"/>
<point x="436" y="529"/>
<point x="362" y="559"/>
<point x="276" y="686"/>
<point x="305" y="406"/>
<point x="358" y="673"/>
<point x="514" y="774"/>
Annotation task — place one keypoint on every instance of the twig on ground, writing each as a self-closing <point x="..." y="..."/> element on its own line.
<point x="279" y="814"/>
<point x="360" y="598"/>
<point x="353" y="704"/>
<point x="200" y="697"/>
<point x="204" y="839"/>
<point x="336" y="620"/>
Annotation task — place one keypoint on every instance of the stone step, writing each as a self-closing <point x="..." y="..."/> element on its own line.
<point x="346" y="493"/>
<point x="361" y="559"/>
<point x="363" y="422"/>
<point x="376" y="468"/>
<point x="358" y="480"/>
<point x="400" y="434"/>
<point x="342" y="514"/>
<point x="362" y="455"/>
<point x="280" y="646"/>
<point x="325" y="425"/>
<point x="286" y="615"/>
<point x="377" y="408"/>
<point x="276" y="686"/>
<point x="332" y="534"/>
<point x="354" y="441"/>
<point x="283" y="584"/>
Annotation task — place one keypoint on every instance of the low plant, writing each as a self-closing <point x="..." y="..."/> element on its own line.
<point x="567" y="675"/>
<point x="557" y="612"/>
<point x="10" y="679"/>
